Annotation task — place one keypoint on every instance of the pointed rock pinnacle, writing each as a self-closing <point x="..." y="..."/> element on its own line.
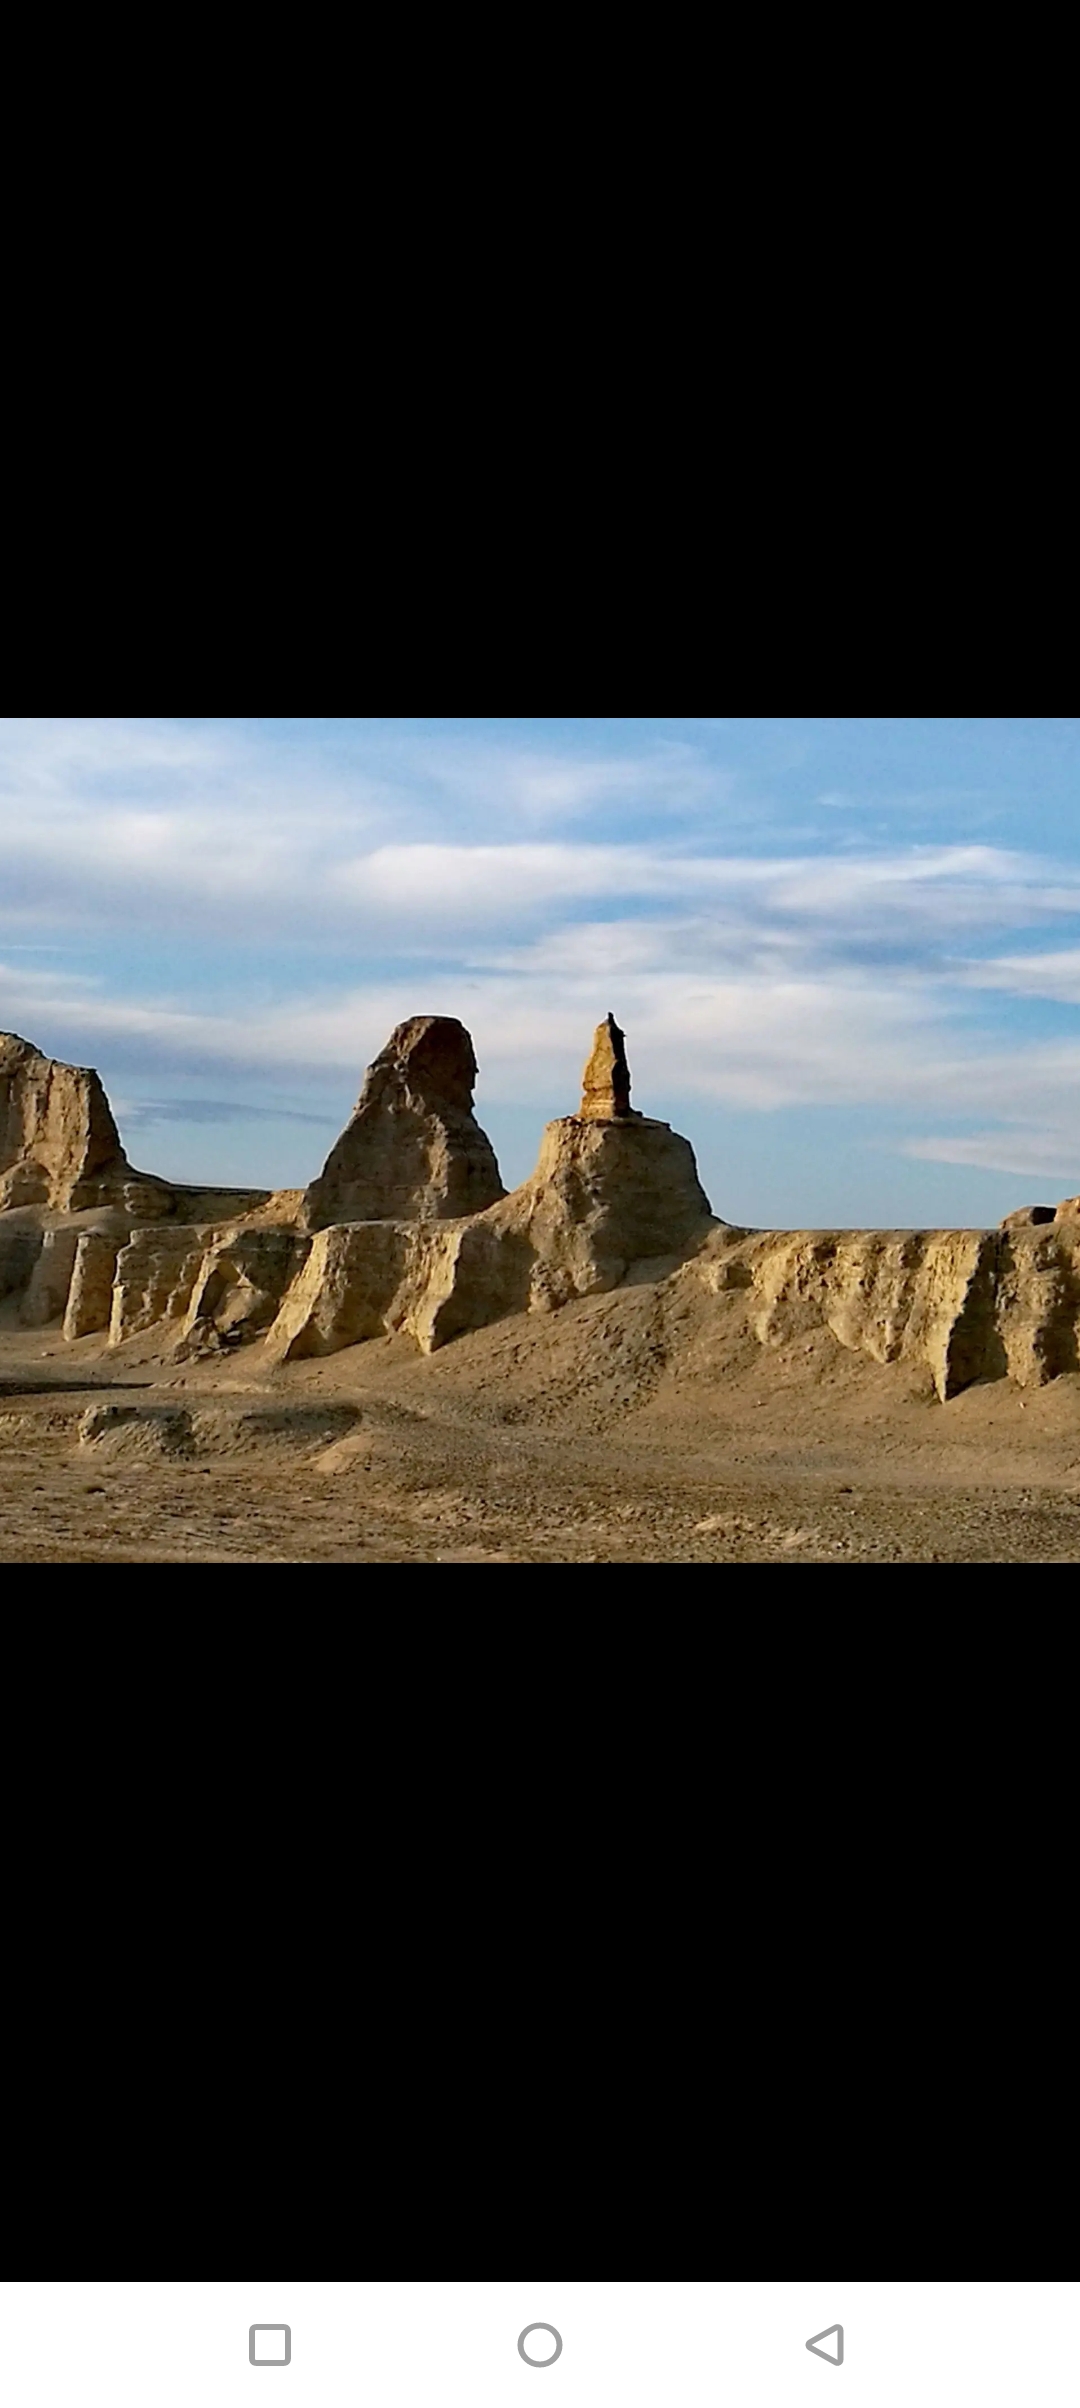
<point x="606" y="1082"/>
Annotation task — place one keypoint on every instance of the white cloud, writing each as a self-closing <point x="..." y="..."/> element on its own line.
<point x="396" y="835"/>
<point x="766" y="983"/>
<point x="754" y="1042"/>
<point x="1051" y="977"/>
<point x="1033" y="1153"/>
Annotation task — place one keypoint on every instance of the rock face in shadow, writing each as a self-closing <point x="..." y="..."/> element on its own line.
<point x="46" y="1294"/>
<point x="240" y="1282"/>
<point x="412" y="1150"/>
<point x="89" y="1298"/>
<point x="20" y="1245"/>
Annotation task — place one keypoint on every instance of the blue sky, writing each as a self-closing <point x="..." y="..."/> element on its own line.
<point x="846" y="953"/>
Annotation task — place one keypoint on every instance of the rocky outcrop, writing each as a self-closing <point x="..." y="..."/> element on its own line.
<point x="155" y="1274"/>
<point x="607" y="1193"/>
<point x="408" y="1230"/>
<point x="605" y="1086"/>
<point x="347" y="1289"/>
<point x="922" y="1295"/>
<point x="60" y="1148"/>
<point x="238" y="1287"/>
<point x="412" y="1150"/>
<point x="46" y="1294"/>
<point x="605" y="1197"/>
<point x="89" y="1298"/>
<point x="1037" y="1302"/>
<point x="967" y="1304"/>
<point x="59" y="1144"/>
<point x="20" y="1245"/>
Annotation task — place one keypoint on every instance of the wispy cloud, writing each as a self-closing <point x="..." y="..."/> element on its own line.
<point x="1031" y="1153"/>
<point x="194" y="1111"/>
<point x="1049" y="977"/>
<point x="526" y="887"/>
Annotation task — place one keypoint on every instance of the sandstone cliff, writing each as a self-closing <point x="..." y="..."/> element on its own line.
<point x="59" y="1144"/>
<point x="611" y="1189"/>
<point x="60" y="1148"/>
<point x="615" y="1197"/>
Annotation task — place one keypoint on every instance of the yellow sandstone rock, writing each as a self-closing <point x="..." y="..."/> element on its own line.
<point x="408" y="1230"/>
<point x="413" y="1149"/>
<point x="605" y="1089"/>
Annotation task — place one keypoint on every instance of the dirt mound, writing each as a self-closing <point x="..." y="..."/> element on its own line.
<point x="137" y="1429"/>
<point x="217" y="1430"/>
<point x="298" y="1429"/>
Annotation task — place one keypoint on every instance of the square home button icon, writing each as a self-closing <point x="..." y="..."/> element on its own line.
<point x="270" y="2344"/>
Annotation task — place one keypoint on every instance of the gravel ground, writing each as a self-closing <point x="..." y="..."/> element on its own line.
<point x="639" y="1427"/>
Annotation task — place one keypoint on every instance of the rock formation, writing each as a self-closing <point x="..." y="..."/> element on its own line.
<point x="155" y="1274"/>
<point x="241" y="1280"/>
<point x="59" y="1144"/>
<point x="20" y="1245"/>
<point x="969" y="1304"/>
<point x="46" y="1294"/>
<point x="412" y="1150"/>
<point x="89" y="1297"/>
<point x="611" y="1189"/>
<point x="408" y="1230"/>
<point x="605" y="1087"/>
<point x="60" y="1147"/>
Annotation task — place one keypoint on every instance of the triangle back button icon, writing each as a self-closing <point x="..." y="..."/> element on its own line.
<point x="832" y="2357"/>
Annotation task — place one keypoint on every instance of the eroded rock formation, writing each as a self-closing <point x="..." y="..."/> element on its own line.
<point x="89" y="1298"/>
<point x="413" y="1149"/>
<point x="969" y="1304"/>
<point x="59" y="1143"/>
<point x="409" y="1230"/>
<point x="605" y="1085"/>
<point x="611" y="1189"/>
<point x="60" y="1147"/>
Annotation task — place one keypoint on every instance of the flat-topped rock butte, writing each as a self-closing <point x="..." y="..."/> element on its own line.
<point x="408" y="1228"/>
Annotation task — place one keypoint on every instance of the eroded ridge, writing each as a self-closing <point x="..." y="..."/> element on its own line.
<point x="408" y="1229"/>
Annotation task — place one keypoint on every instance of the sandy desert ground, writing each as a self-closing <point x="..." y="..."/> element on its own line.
<point x="645" y="1425"/>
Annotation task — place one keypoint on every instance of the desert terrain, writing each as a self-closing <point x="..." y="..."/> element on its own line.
<point x="644" y="1426"/>
<point x="401" y="1364"/>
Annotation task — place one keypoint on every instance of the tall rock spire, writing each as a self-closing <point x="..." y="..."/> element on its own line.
<point x="606" y="1081"/>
